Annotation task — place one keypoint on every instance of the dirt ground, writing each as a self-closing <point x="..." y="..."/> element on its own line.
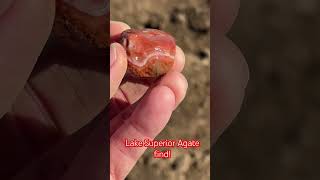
<point x="276" y="135"/>
<point x="189" y="23"/>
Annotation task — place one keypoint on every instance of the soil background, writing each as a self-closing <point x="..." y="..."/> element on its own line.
<point x="276" y="135"/>
<point x="189" y="23"/>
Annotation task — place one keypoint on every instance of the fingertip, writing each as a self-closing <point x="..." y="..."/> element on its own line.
<point x="230" y="77"/>
<point x="230" y="61"/>
<point x="225" y="13"/>
<point x="117" y="27"/>
<point x="179" y="60"/>
<point x="177" y="83"/>
<point x="121" y="53"/>
<point x="154" y="111"/>
<point x="120" y="24"/>
<point x="164" y="94"/>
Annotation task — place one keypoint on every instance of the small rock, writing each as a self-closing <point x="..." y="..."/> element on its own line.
<point x="154" y="21"/>
<point x="205" y="161"/>
<point x="199" y="21"/>
<point x="197" y="155"/>
<point x="182" y="163"/>
<point x="203" y="54"/>
<point x="177" y="16"/>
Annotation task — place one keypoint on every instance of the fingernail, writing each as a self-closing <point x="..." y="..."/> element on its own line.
<point x="123" y="25"/>
<point x="113" y="54"/>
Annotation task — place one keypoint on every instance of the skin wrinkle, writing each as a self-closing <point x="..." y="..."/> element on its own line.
<point x="118" y="170"/>
<point x="118" y="104"/>
<point x="119" y="146"/>
<point x="127" y="113"/>
<point x="116" y="146"/>
<point x="41" y="107"/>
<point x="126" y="152"/>
<point x="121" y="118"/>
<point x="74" y="89"/>
<point x="124" y="95"/>
<point x="139" y="129"/>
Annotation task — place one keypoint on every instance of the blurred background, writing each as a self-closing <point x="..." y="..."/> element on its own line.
<point x="276" y="135"/>
<point x="189" y="22"/>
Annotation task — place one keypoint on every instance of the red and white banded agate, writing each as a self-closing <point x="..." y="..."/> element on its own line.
<point x="150" y="52"/>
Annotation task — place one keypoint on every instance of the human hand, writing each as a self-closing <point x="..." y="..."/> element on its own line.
<point x="230" y="72"/>
<point x="138" y="110"/>
<point x="43" y="100"/>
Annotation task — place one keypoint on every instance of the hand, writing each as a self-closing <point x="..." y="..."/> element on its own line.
<point x="230" y="70"/>
<point x="44" y="100"/>
<point x="138" y="110"/>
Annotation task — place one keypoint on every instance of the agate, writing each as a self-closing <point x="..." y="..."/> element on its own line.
<point x="77" y="23"/>
<point x="90" y="7"/>
<point x="150" y="52"/>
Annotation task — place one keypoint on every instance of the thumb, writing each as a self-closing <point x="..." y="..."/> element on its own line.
<point x="118" y="66"/>
<point x="24" y="29"/>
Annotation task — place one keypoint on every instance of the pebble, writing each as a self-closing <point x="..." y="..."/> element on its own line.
<point x="182" y="163"/>
<point x="198" y="21"/>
